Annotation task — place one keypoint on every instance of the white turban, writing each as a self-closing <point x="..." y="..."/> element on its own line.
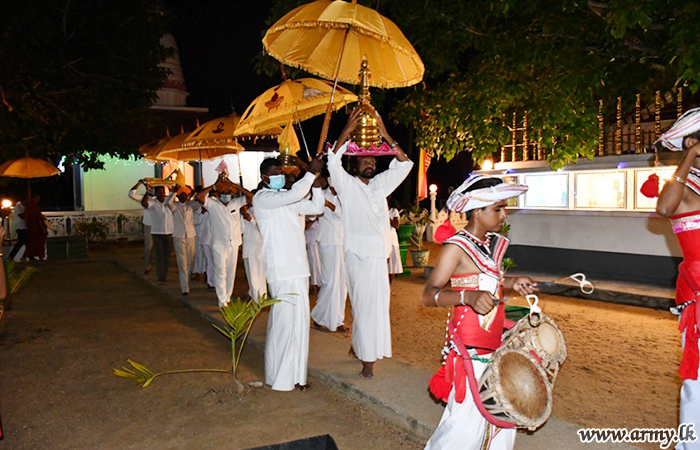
<point x="686" y="124"/>
<point x="462" y="200"/>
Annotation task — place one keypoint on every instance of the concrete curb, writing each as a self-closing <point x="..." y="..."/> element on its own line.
<point x="398" y="392"/>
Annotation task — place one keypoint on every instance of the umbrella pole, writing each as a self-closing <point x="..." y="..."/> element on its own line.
<point x="329" y="109"/>
<point x="303" y="138"/>
<point x="240" y="174"/>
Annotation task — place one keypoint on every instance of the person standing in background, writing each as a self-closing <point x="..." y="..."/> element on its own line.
<point x="146" y="222"/>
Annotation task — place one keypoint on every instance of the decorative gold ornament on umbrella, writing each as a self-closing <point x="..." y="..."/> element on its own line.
<point x="289" y="146"/>
<point x="310" y="37"/>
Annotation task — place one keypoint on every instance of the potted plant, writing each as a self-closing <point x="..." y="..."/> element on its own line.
<point x="419" y="218"/>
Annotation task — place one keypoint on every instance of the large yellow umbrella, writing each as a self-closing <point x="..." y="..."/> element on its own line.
<point x="294" y="100"/>
<point x="28" y="167"/>
<point x="331" y="38"/>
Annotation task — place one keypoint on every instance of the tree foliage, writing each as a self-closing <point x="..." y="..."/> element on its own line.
<point x="486" y="59"/>
<point x="73" y="73"/>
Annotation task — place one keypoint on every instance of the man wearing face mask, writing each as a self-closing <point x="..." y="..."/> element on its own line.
<point x="161" y="228"/>
<point x="225" y="227"/>
<point x="284" y="248"/>
<point x="367" y="239"/>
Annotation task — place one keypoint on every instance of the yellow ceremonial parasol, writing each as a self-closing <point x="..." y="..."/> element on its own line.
<point x="294" y="100"/>
<point x="28" y="167"/>
<point x="153" y="147"/>
<point x="331" y="38"/>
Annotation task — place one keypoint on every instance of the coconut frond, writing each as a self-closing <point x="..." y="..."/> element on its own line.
<point x="138" y="373"/>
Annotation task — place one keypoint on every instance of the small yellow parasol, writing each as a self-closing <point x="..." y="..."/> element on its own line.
<point x="28" y="167"/>
<point x="294" y="100"/>
<point x="154" y="147"/>
<point x="331" y="38"/>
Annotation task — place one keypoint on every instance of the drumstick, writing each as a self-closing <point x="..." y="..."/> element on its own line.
<point x="583" y="284"/>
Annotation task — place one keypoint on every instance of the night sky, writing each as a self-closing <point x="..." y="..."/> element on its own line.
<point x="218" y="41"/>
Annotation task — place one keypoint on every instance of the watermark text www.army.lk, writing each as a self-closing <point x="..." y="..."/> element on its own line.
<point x="662" y="436"/>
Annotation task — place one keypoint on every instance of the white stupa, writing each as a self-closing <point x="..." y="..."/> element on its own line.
<point x="174" y="91"/>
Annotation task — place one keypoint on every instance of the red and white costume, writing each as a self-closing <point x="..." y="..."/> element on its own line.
<point x="462" y="426"/>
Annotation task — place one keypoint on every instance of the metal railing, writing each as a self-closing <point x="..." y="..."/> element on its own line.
<point x="119" y="223"/>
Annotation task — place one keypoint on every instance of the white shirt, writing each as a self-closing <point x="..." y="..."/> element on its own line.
<point x="183" y="219"/>
<point x="161" y="215"/>
<point x="277" y="213"/>
<point x="146" y="212"/>
<point x="20" y="224"/>
<point x="225" y="221"/>
<point x="202" y="227"/>
<point x="365" y="211"/>
<point x="252" y="239"/>
<point x="331" y="222"/>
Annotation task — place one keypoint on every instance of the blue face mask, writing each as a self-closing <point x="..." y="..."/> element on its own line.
<point x="225" y="198"/>
<point x="276" y="182"/>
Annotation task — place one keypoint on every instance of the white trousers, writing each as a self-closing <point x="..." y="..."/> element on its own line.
<point x="287" y="345"/>
<point x="205" y="250"/>
<point x="200" y="261"/>
<point x="184" y="252"/>
<point x="255" y="273"/>
<point x="225" y="259"/>
<point x="690" y="409"/>
<point x="314" y="255"/>
<point x="370" y="294"/>
<point x="330" y="305"/>
<point x="462" y="427"/>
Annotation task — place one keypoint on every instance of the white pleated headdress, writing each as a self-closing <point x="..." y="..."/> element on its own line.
<point x="686" y="124"/>
<point x="461" y="200"/>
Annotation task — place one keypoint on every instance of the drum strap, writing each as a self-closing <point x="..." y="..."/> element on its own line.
<point x="473" y="383"/>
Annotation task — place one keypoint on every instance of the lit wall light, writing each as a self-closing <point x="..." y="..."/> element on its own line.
<point x="487" y="165"/>
<point x="7" y="203"/>
<point x="433" y="188"/>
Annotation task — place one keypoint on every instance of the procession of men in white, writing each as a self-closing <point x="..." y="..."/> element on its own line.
<point x="351" y="235"/>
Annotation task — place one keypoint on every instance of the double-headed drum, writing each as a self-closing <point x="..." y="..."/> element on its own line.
<point x="539" y="334"/>
<point x="515" y="388"/>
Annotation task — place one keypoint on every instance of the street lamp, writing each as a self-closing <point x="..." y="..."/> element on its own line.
<point x="433" y="212"/>
<point x="487" y="165"/>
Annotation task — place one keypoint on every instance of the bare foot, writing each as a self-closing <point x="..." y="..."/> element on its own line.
<point x="367" y="370"/>
<point x="302" y="387"/>
<point x="351" y="353"/>
<point x="316" y="326"/>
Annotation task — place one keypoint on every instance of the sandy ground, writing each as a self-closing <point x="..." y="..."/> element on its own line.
<point x="622" y="364"/>
<point x="63" y="334"/>
<point x="621" y="370"/>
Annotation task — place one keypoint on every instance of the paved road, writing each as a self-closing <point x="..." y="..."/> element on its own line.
<point x="64" y="333"/>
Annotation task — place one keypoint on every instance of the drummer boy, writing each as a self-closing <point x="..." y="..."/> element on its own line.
<point x="471" y="264"/>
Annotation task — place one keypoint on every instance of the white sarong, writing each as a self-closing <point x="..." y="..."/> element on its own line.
<point x="368" y="285"/>
<point x="330" y="305"/>
<point x="312" y="250"/>
<point x="287" y="345"/>
<point x="462" y="427"/>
